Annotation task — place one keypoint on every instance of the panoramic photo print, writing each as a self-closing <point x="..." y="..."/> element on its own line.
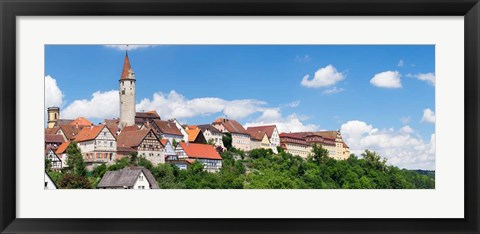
<point x="239" y="117"/>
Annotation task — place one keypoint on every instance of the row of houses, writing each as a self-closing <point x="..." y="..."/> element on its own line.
<point x="168" y="141"/>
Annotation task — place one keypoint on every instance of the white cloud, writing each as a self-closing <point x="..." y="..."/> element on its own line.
<point x="175" y="105"/>
<point x="290" y="123"/>
<point x="427" y="77"/>
<point x="326" y="76"/>
<point x="405" y="120"/>
<point x="400" y="63"/>
<point x="428" y="116"/>
<point x="129" y="47"/>
<point x="401" y="148"/>
<point x="293" y="104"/>
<point x="53" y="94"/>
<point x="101" y="105"/>
<point x="333" y="91"/>
<point x="387" y="79"/>
<point x="302" y="59"/>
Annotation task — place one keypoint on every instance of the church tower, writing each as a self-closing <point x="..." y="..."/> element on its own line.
<point x="127" y="95"/>
<point x="53" y="116"/>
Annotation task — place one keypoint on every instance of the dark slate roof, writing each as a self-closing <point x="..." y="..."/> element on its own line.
<point x="126" y="177"/>
<point x="209" y="127"/>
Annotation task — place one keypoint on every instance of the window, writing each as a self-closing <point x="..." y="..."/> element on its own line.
<point x="111" y="144"/>
<point x="140" y="177"/>
<point x="123" y="92"/>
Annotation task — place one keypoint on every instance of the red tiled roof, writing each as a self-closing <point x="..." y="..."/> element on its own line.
<point x="132" y="138"/>
<point x="231" y="125"/>
<point x="255" y="134"/>
<point x="164" y="142"/>
<point x="71" y="131"/>
<point x="81" y="122"/>
<point x="126" y="68"/>
<point x="53" y="130"/>
<point x="296" y="135"/>
<point x="112" y="125"/>
<point x="194" y="150"/>
<point x="89" y="133"/>
<point x="167" y="127"/>
<point x="53" y="138"/>
<point x="149" y="114"/>
<point x="62" y="148"/>
<point x="130" y="128"/>
<point x="268" y="129"/>
<point x="345" y="145"/>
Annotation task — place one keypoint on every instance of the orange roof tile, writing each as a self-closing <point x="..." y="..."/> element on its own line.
<point x="192" y="132"/>
<point x="89" y="133"/>
<point x="62" y="148"/>
<point x="194" y="150"/>
<point x="81" y="122"/>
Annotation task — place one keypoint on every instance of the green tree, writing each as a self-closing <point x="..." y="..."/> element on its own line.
<point x="211" y="141"/>
<point x="72" y="181"/>
<point x="320" y="155"/>
<point x="48" y="164"/>
<point x="227" y="140"/>
<point x="76" y="164"/>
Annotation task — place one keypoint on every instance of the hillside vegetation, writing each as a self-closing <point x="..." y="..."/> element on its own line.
<point x="262" y="169"/>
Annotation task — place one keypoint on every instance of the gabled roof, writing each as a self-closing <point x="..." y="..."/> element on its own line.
<point x="193" y="132"/>
<point x="62" y="148"/>
<point x="256" y="134"/>
<point x="345" y="145"/>
<point x="231" y="125"/>
<point x="132" y="138"/>
<point x="127" y="72"/>
<point x="209" y="127"/>
<point x="194" y="150"/>
<point x="70" y="131"/>
<point x="268" y="129"/>
<point x="53" y="138"/>
<point x="126" y="177"/>
<point x="80" y="121"/>
<point x="112" y="125"/>
<point x="167" y="127"/>
<point x="89" y="133"/>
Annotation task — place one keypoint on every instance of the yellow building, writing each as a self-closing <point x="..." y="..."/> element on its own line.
<point x="295" y="144"/>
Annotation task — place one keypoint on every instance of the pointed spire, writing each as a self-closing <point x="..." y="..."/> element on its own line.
<point x="127" y="72"/>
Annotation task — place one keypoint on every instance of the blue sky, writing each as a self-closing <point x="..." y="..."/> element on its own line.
<point x="380" y="96"/>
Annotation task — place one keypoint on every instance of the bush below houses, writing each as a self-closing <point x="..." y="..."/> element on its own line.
<point x="262" y="169"/>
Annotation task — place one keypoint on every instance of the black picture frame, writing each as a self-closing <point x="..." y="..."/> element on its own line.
<point x="10" y="9"/>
